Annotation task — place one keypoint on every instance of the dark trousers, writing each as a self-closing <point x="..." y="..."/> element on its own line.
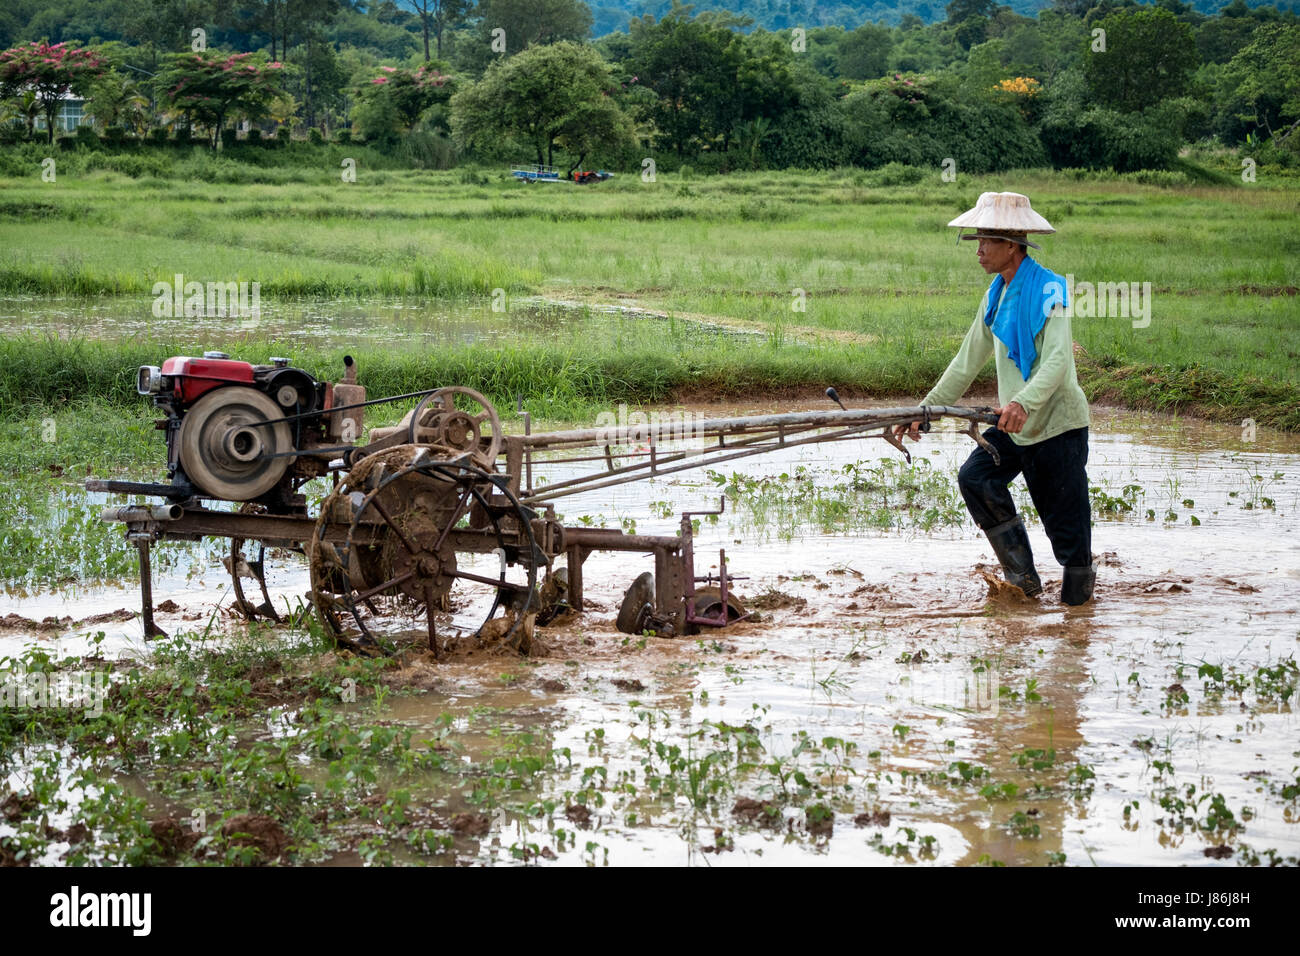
<point x="1058" y="484"/>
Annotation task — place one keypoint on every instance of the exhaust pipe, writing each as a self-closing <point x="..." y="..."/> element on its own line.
<point x="132" y="514"/>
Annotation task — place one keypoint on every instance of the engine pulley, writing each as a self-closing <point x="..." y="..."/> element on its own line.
<point x="225" y="450"/>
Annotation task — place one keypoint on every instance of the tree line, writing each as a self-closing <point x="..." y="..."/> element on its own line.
<point x="1106" y="84"/>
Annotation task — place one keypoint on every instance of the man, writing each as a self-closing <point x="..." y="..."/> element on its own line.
<point x="1042" y="428"/>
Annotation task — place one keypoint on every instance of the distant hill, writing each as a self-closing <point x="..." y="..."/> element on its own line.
<point x="615" y="15"/>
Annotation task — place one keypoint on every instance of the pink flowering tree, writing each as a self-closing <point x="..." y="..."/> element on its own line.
<point x="44" y="75"/>
<point x="395" y="100"/>
<point x="210" y="87"/>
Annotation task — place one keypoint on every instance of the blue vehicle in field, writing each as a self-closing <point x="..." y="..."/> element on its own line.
<point x="538" y="173"/>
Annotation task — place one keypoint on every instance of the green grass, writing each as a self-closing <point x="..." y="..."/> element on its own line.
<point x="642" y="362"/>
<point x="889" y="294"/>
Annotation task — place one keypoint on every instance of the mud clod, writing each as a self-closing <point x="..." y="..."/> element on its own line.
<point x="16" y="806"/>
<point x="772" y="600"/>
<point x="257" y="830"/>
<point x="77" y="833"/>
<point x="1238" y="586"/>
<point x="578" y="814"/>
<point x="174" y="837"/>
<point x="1218" y="852"/>
<point x="876" y="818"/>
<point x="1164" y="587"/>
<point x="16" y="622"/>
<point x="554" y="686"/>
<point x="167" y="607"/>
<point x="9" y="858"/>
<point x="471" y="824"/>
<point x="763" y="813"/>
<point x="721" y="842"/>
<point x="819" y="825"/>
<point x="1001" y="591"/>
<point x="420" y="673"/>
<point x="632" y="685"/>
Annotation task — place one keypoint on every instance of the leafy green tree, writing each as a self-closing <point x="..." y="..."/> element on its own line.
<point x="1260" y="86"/>
<point x="1044" y="47"/>
<point x="864" y="52"/>
<point x="163" y="25"/>
<point x="971" y="32"/>
<point x="922" y="120"/>
<point x="920" y="51"/>
<point x="1183" y="11"/>
<point x="1079" y="134"/>
<point x="1220" y="38"/>
<point x="1150" y="56"/>
<point x="319" y="78"/>
<point x="115" y="99"/>
<point x="810" y="134"/>
<point x="823" y="52"/>
<point x="25" y="106"/>
<point x="371" y="34"/>
<point x="593" y="126"/>
<point x="530" y="22"/>
<point x="1103" y="8"/>
<point x="765" y="77"/>
<point x="959" y="11"/>
<point x="692" y="66"/>
<point x="500" y="28"/>
<point x="554" y="96"/>
<point x="49" y="73"/>
<point x="984" y="68"/>
<point x="208" y="87"/>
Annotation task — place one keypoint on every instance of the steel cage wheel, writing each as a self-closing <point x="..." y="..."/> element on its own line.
<point x="427" y="566"/>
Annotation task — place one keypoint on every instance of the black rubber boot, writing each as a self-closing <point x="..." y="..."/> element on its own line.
<point x="1010" y="543"/>
<point x="1076" y="585"/>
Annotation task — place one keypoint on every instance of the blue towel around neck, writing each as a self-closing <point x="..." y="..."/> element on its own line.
<point x="1033" y="293"/>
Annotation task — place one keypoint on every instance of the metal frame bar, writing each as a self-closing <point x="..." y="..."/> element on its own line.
<point x="675" y="579"/>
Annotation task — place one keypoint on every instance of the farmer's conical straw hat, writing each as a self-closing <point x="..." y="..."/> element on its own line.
<point x="1002" y="216"/>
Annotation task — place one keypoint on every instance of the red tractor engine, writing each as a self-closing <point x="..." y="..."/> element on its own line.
<point x="243" y="432"/>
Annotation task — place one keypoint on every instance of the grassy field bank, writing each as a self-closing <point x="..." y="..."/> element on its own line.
<point x="850" y="276"/>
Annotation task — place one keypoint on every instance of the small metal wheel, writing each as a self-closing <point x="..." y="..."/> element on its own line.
<point x="437" y="421"/>
<point x="708" y="602"/>
<point x="408" y="547"/>
<point x="638" y="605"/>
<point x="241" y="568"/>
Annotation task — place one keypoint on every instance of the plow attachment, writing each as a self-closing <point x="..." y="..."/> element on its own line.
<point x="442" y="525"/>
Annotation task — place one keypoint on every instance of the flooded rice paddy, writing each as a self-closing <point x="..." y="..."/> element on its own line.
<point x="887" y="707"/>
<point x="406" y="322"/>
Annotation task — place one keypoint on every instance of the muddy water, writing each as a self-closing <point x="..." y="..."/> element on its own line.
<point x="925" y="698"/>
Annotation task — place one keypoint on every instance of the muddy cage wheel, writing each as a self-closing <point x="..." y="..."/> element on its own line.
<point x="238" y="564"/>
<point x="401" y="507"/>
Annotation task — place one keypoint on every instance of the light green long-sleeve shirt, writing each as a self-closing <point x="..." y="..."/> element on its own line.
<point x="1051" y="396"/>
